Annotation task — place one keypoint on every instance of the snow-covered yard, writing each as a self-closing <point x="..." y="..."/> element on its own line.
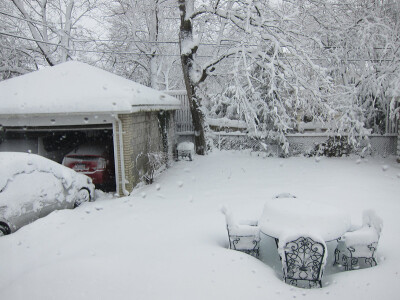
<point x="168" y="240"/>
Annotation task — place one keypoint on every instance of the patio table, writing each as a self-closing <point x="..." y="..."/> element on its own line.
<point x="294" y="215"/>
<point x="286" y="216"/>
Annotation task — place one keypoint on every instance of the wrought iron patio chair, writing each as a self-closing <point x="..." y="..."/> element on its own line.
<point x="303" y="261"/>
<point x="357" y="249"/>
<point x="243" y="235"/>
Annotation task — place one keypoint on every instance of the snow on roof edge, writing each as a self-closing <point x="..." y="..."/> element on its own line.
<point x="138" y="108"/>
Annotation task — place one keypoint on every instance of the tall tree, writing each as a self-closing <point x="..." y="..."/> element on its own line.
<point x="15" y="56"/>
<point x="325" y="61"/>
<point x="361" y="49"/>
<point x="272" y="73"/>
<point x="193" y="74"/>
<point x="142" y="35"/>
<point x="47" y="32"/>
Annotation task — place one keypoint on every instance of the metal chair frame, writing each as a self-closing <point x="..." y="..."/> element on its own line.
<point x="350" y="262"/>
<point x="183" y="154"/>
<point x="349" y="258"/>
<point x="235" y="240"/>
<point x="304" y="261"/>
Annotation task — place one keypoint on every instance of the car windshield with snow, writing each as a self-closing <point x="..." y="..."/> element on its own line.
<point x="32" y="186"/>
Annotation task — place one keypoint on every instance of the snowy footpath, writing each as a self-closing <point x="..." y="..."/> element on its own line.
<point x="168" y="240"/>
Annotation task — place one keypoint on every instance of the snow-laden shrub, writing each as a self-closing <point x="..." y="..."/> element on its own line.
<point x="335" y="146"/>
<point x="152" y="164"/>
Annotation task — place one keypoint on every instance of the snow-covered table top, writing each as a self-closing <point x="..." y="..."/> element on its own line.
<point x="286" y="216"/>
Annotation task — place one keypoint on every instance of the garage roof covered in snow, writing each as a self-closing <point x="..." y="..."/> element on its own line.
<point x="78" y="88"/>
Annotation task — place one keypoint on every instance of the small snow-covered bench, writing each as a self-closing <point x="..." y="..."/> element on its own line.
<point x="185" y="149"/>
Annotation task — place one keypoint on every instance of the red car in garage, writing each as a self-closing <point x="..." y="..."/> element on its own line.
<point x="95" y="161"/>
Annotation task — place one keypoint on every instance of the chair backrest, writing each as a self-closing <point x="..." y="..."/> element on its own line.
<point x="371" y="219"/>
<point x="284" y="195"/>
<point x="304" y="258"/>
<point x="231" y="222"/>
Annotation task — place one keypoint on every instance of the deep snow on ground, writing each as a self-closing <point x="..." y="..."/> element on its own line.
<point x="168" y="240"/>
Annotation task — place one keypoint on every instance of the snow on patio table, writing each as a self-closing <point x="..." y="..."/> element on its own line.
<point x="288" y="215"/>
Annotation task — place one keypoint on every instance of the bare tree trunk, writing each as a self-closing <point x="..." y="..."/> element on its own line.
<point x="195" y="109"/>
<point x="66" y="31"/>
<point x="188" y="50"/>
<point x="153" y="36"/>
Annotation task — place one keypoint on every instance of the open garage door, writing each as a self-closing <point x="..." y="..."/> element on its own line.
<point x="90" y="148"/>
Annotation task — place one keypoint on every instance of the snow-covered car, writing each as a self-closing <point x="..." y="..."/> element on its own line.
<point x="32" y="186"/>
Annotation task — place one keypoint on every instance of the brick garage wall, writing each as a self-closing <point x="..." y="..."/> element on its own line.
<point x="141" y="135"/>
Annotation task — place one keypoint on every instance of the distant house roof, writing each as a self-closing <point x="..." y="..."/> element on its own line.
<point x="78" y="88"/>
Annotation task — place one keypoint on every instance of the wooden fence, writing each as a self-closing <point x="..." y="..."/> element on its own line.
<point x="183" y="117"/>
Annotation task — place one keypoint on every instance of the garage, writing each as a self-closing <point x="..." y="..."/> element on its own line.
<point x="73" y="107"/>
<point x="58" y="142"/>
